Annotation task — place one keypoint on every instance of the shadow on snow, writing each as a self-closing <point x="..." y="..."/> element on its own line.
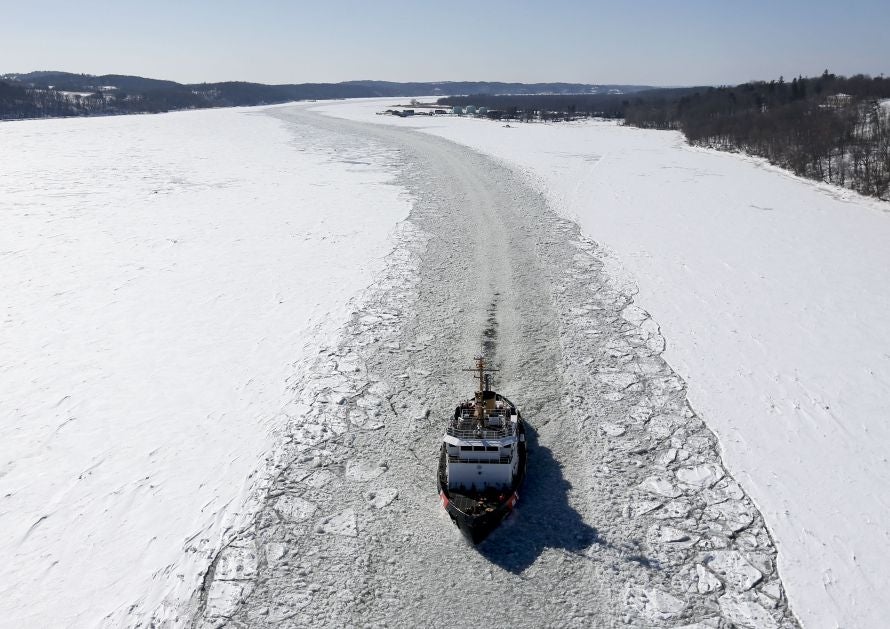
<point x="543" y="518"/>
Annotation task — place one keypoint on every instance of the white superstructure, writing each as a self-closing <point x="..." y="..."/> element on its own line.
<point x="481" y="444"/>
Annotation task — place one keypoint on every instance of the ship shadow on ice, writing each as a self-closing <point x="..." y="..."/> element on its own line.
<point x="543" y="519"/>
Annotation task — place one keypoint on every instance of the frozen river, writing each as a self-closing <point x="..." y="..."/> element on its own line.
<point x="163" y="277"/>
<point x="230" y="338"/>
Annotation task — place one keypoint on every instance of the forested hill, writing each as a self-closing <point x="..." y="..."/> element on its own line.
<point x="45" y="94"/>
<point x="830" y="128"/>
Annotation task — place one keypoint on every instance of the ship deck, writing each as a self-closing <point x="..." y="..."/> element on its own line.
<point x="476" y="504"/>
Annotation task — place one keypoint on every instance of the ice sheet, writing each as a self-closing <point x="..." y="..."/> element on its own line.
<point x="771" y="293"/>
<point x="163" y="277"/>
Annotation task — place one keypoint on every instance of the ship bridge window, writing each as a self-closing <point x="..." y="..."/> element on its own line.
<point x="466" y="448"/>
<point x="492" y="448"/>
<point x="479" y="448"/>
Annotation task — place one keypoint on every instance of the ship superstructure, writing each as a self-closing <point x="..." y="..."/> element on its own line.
<point x="482" y="460"/>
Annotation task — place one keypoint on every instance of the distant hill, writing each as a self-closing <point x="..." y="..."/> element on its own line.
<point x="55" y="94"/>
<point x="87" y="82"/>
<point x="455" y="88"/>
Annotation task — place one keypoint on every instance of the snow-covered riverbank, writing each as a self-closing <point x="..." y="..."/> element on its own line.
<point x="163" y="279"/>
<point x="771" y="294"/>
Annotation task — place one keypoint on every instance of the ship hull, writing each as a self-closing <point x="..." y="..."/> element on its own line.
<point x="477" y="527"/>
<point x="477" y="524"/>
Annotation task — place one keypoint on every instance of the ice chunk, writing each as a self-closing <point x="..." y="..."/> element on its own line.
<point x="379" y="498"/>
<point x="294" y="508"/>
<point x="361" y="471"/>
<point x="666" y="458"/>
<point x="773" y="589"/>
<point x="236" y="562"/>
<point x="737" y="573"/>
<point x="735" y="513"/>
<point x="224" y="597"/>
<point x="275" y="551"/>
<point x="708" y="623"/>
<point x="705" y="475"/>
<point x="320" y="478"/>
<point x="342" y="523"/>
<point x="726" y="489"/>
<point x="617" y="380"/>
<point x="645" y="506"/>
<point x="674" y="509"/>
<point x="660" y="486"/>
<point x="613" y="430"/>
<point x="744" y="612"/>
<point x="654" y="605"/>
<point x="707" y="582"/>
<point x="634" y="314"/>
<point x="672" y="537"/>
<point x="663" y="426"/>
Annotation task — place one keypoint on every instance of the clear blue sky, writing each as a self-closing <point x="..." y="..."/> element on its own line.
<point x="276" y="41"/>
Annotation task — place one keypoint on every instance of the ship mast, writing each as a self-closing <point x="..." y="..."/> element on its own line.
<point x="480" y="394"/>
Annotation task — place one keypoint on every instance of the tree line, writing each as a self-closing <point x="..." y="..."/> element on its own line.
<point x="19" y="102"/>
<point x="50" y="93"/>
<point x="532" y="107"/>
<point x="829" y="128"/>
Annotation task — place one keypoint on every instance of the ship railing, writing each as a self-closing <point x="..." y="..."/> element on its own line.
<point x="500" y="460"/>
<point x="470" y="413"/>
<point x="477" y="433"/>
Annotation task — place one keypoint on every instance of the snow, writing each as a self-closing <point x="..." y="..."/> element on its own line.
<point x="164" y="279"/>
<point x="168" y="278"/>
<point x="554" y="318"/>
<point x="771" y="294"/>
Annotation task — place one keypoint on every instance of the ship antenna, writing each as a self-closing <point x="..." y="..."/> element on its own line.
<point x="484" y="384"/>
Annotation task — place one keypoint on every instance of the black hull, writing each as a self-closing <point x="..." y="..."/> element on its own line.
<point x="476" y="527"/>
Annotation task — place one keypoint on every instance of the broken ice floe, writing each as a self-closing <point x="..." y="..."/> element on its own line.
<point x="224" y="597"/>
<point x="663" y="426"/>
<point x="700" y="525"/>
<point x="652" y="604"/>
<point x="236" y="562"/>
<point x="666" y="457"/>
<point x="660" y="486"/>
<point x="363" y="471"/>
<point x="700" y="476"/>
<point x="380" y="498"/>
<point x="295" y="508"/>
<point x="674" y="509"/>
<point x="343" y="523"/>
<point x="735" y="514"/>
<point x="619" y="380"/>
<point x="613" y="430"/>
<point x="735" y="571"/>
<point x="671" y="537"/>
<point x="773" y="589"/>
<point x="233" y="573"/>
<point x="745" y="612"/>
<point x="707" y="581"/>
